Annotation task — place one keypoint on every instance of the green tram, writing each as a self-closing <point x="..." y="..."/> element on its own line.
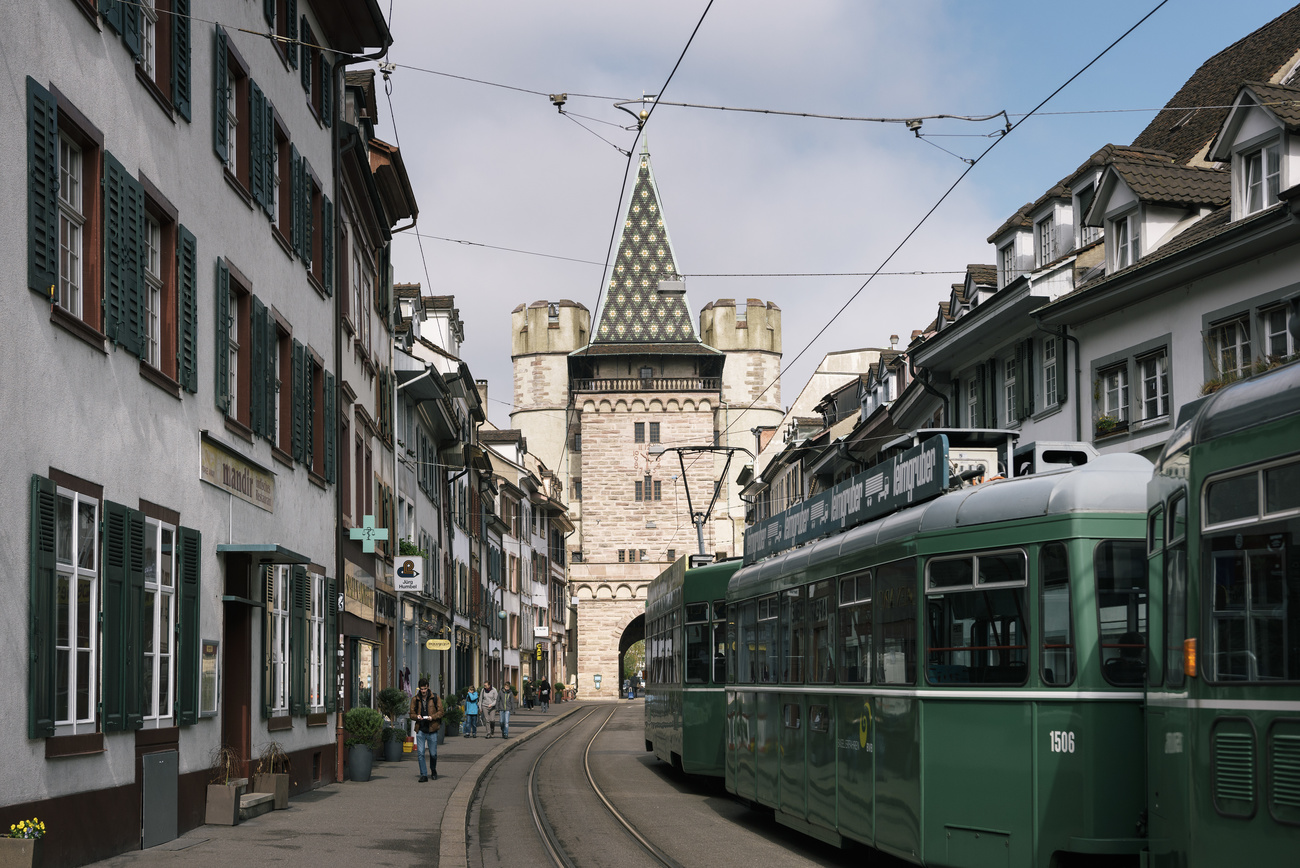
<point x="956" y="683"/>
<point x="1223" y="715"/>
<point x="686" y="618"/>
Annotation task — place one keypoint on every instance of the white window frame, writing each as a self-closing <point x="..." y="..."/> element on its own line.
<point x="159" y="623"/>
<point x="1126" y="233"/>
<point x="1006" y="263"/>
<point x="282" y="580"/>
<point x="1115" y="391"/>
<point x="232" y="342"/>
<point x="1009" y="391"/>
<point x="148" y="36"/>
<point x="1260" y="177"/>
<point x="153" y="290"/>
<point x="317" y="646"/>
<point x="232" y="121"/>
<point x="79" y="573"/>
<point x="1232" y="336"/>
<point x="1051" y="371"/>
<point x="1275" y="323"/>
<point x="72" y="220"/>
<point x="1153" y="369"/>
<point x="972" y="401"/>
<point x="1045" y="240"/>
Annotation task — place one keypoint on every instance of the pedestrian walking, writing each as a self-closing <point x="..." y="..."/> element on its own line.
<point x="426" y="710"/>
<point x="544" y="694"/>
<point x="530" y="693"/>
<point x="507" y="706"/>
<point x="489" y="704"/>
<point x="471" y="712"/>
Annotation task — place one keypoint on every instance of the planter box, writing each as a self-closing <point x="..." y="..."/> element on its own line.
<point x="277" y="785"/>
<point x="361" y="759"/>
<point x="223" y="803"/>
<point x="20" y="852"/>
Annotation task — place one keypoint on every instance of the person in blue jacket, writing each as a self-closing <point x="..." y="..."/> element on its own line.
<point x="471" y="711"/>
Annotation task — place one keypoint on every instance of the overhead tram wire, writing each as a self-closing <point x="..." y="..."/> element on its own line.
<point x="935" y="207"/>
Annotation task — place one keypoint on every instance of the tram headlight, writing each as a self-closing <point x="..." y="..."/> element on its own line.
<point x="1189" y="657"/>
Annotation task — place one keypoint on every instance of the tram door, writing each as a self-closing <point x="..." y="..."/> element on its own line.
<point x="852" y="726"/>
<point x="793" y="784"/>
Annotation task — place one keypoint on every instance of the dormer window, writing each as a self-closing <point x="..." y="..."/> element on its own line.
<point x="1006" y="265"/>
<point x="1045" y="240"/>
<point x="1126" y="233"/>
<point x="1260" y="177"/>
<point x="1082" y="200"/>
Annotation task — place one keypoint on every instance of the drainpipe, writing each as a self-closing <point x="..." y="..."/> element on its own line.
<point x="925" y="384"/>
<point x="1078" y="373"/>
<point x="336" y="69"/>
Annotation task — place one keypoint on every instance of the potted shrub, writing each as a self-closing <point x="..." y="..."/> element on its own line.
<point x="225" y="786"/>
<point x="272" y="773"/>
<point x="453" y="717"/>
<point x="21" y="845"/>
<point x="393" y="703"/>
<point x="363" y="726"/>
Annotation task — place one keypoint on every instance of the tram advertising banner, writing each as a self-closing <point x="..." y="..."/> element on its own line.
<point x="916" y="475"/>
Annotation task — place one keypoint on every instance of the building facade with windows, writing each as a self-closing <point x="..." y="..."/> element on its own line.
<point x="175" y="464"/>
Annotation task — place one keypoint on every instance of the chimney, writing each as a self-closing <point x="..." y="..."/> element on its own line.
<point x="482" y="387"/>
<point x="893" y="342"/>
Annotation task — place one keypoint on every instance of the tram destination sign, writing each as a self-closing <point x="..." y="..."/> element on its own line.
<point x="918" y="474"/>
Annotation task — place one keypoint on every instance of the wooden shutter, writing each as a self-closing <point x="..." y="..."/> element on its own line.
<point x="257" y="370"/>
<point x="257" y="175"/>
<point x="295" y="197"/>
<point x="298" y="642"/>
<point x="299" y="403"/>
<point x="268" y="12"/>
<point x="41" y="614"/>
<point x="180" y="74"/>
<point x="989" y="400"/>
<point x="331" y="644"/>
<point x="977" y="420"/>
<point x="124" y="254"/>
<point x="1025" y="378"/>
<point x="111" y="10"/>
<point x="271" y="339"/>
<point x="308" y="218"/>
<point x="308" y="410"/>
<point x="189" y="559"/>
<point x="122" y="649"/>
<point x="306" y="69"/>
<point x="1019" y="366"/>
<point x="1062" y="377"/>
<point x="42" y="190"/>
<point x="331" y="430"/>
<point x="326" y="91"/>
<point x="220" y="84"/>
<point x="291" y="13"/>
<point x="327" y="244"/>
<point x="222" y="345"/>
<point x="131" y="25"/>
<point x="187" y="344"/>
<point x="268" y="581"/>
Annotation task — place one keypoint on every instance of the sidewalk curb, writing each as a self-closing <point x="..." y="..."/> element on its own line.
<point x="453" y="843"/>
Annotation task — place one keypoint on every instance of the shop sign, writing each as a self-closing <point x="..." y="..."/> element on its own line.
<point x="438" y="644"/>
<point x="229" y="473"/>
<point x="358" y="592"/>
<point x="409" y="575"/>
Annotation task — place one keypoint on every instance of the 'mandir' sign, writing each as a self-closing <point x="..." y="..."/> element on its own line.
<point x="918" y="474"/>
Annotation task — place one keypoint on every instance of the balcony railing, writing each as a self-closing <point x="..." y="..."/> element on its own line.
<point x="649" y="384"/>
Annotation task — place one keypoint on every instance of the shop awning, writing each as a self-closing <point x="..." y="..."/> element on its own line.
<point x="263" y="553"/>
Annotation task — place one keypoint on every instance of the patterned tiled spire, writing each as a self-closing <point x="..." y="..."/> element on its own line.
<point x="634" y="310"/>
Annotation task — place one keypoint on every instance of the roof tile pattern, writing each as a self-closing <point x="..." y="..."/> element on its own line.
<point x="1280" y="100"/>
<point x="1174" y="185"/>
<point x="635" y="312"/>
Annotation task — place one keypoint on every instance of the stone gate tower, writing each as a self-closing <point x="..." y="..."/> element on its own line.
<point x="606" y="405"/>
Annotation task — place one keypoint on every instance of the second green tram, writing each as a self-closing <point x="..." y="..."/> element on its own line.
<point x="686" y="618"/>
<point x="957" y="683"/>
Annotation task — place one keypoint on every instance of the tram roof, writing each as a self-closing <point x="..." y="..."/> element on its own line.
<point x="1250" y="403"/>
<point x="1109" y="483"/>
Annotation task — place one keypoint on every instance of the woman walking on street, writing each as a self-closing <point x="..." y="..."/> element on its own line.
<point x="490" y="708"/>
<point x="507" y="706"/>
<point x="544" y="689"/>
<point x="471" y="712"/>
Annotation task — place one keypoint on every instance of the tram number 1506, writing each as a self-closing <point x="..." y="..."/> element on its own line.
<point x="1062" y="741"/>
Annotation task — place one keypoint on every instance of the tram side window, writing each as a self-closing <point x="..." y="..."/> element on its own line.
<point x="794" y="636"/>
<point x="1175" y="603"/>
<point x="1057" y="617"/>
<point x="975" y="619"/>
<point x="1256" y="610"/>
<point x="747" y="647"/>
<point x="697" y="643"/>
<point x="719" y="642"/>
<point x="896" y="633"/>
<point x="821" y="621"/>
<point x="1120" y="567"/>
<point x="855" y="629"/>
<point x="767" y="648"/>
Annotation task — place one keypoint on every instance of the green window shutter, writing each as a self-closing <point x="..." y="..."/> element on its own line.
<point x="298" y="642"/>
<point x="124" y="215"/>
<point x="331" y="643"/>
<point x="308" y="217"/>
<point x="268" y="578"/>
<point x="268" y="12"/>
<point x="222" y="346"/>
<point x="1025" y="378"/>
<point x="299" y="403"/>
<point x="189" y="558"/>
<point x="269" y="373"/>
<point x="384" y="295"/>
<point x="267" y="157"/>
<point x="112" y="12"/>
<point x="257" y="368"/>
<point x="181" y="57"/>
<point x="295" y="195"/>
<point x="326" y="90"/>
<point x="331" y="429"/>
<point x="309" y="411"/>
<point x="306" y="58"/>
<point x="41" y="670"/>
<point x="1019" y="362"/>
<point x="187" y="344"/>
<point x="256" y="143"/>
<point x="978" y="416"/>
<point x="291" y="13"/>
<point x="1062" y="375"/>
<point x="42" y="190"/>
<point x="990" y="398"/>
<point x="220" y="85"/>
<point x="122" y="647"/>
<point x="327" y="244"/>
<point x="131" y="25"/>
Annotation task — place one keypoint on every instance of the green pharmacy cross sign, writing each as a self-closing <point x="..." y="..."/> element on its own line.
<point x="368" y="533"/>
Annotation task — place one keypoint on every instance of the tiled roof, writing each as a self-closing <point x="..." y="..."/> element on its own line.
<point x="634" y="311"/>
<point x="983" y="275"/>
<point x="1282" y="101"/>
<point x="1205" y="97"/>
<point x="687" y="348"/>
<point x="1174" y="185"/>
<point x="1018" y="220"/>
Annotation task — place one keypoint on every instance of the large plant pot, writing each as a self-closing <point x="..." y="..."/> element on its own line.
<point x="361" y="760"/>
<point x="392" y="750"/>
<point x="223" y="803"/>
<point x="20" y="852"/>
<point x="275" y="784"/>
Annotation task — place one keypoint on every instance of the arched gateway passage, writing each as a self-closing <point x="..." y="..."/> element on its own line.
<point x="632" y="634"/>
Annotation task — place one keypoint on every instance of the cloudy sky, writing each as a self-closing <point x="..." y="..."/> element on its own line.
<point x="518" y="203"/>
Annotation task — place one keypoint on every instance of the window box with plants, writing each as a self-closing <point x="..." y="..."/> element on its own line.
<point x="1108" y="424"/>
<point x="363" y="726"/>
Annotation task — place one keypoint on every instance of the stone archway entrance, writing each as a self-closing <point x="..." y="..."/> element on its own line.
<point x="611" y="618"/>
<point x="632" y="634"/>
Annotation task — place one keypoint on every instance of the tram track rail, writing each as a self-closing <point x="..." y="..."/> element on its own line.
<point x="550" y="839"/>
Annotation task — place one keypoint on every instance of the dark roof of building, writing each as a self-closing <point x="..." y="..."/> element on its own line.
<point x="634" y="310"/>
<point x="1174" y="185"/>
<point x="1194" y="116"/>
<point x="506" y="435"/>
<point x="1281" y="100"/>
<point x="647" y="349"/>
<point x="983" y="275"/>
